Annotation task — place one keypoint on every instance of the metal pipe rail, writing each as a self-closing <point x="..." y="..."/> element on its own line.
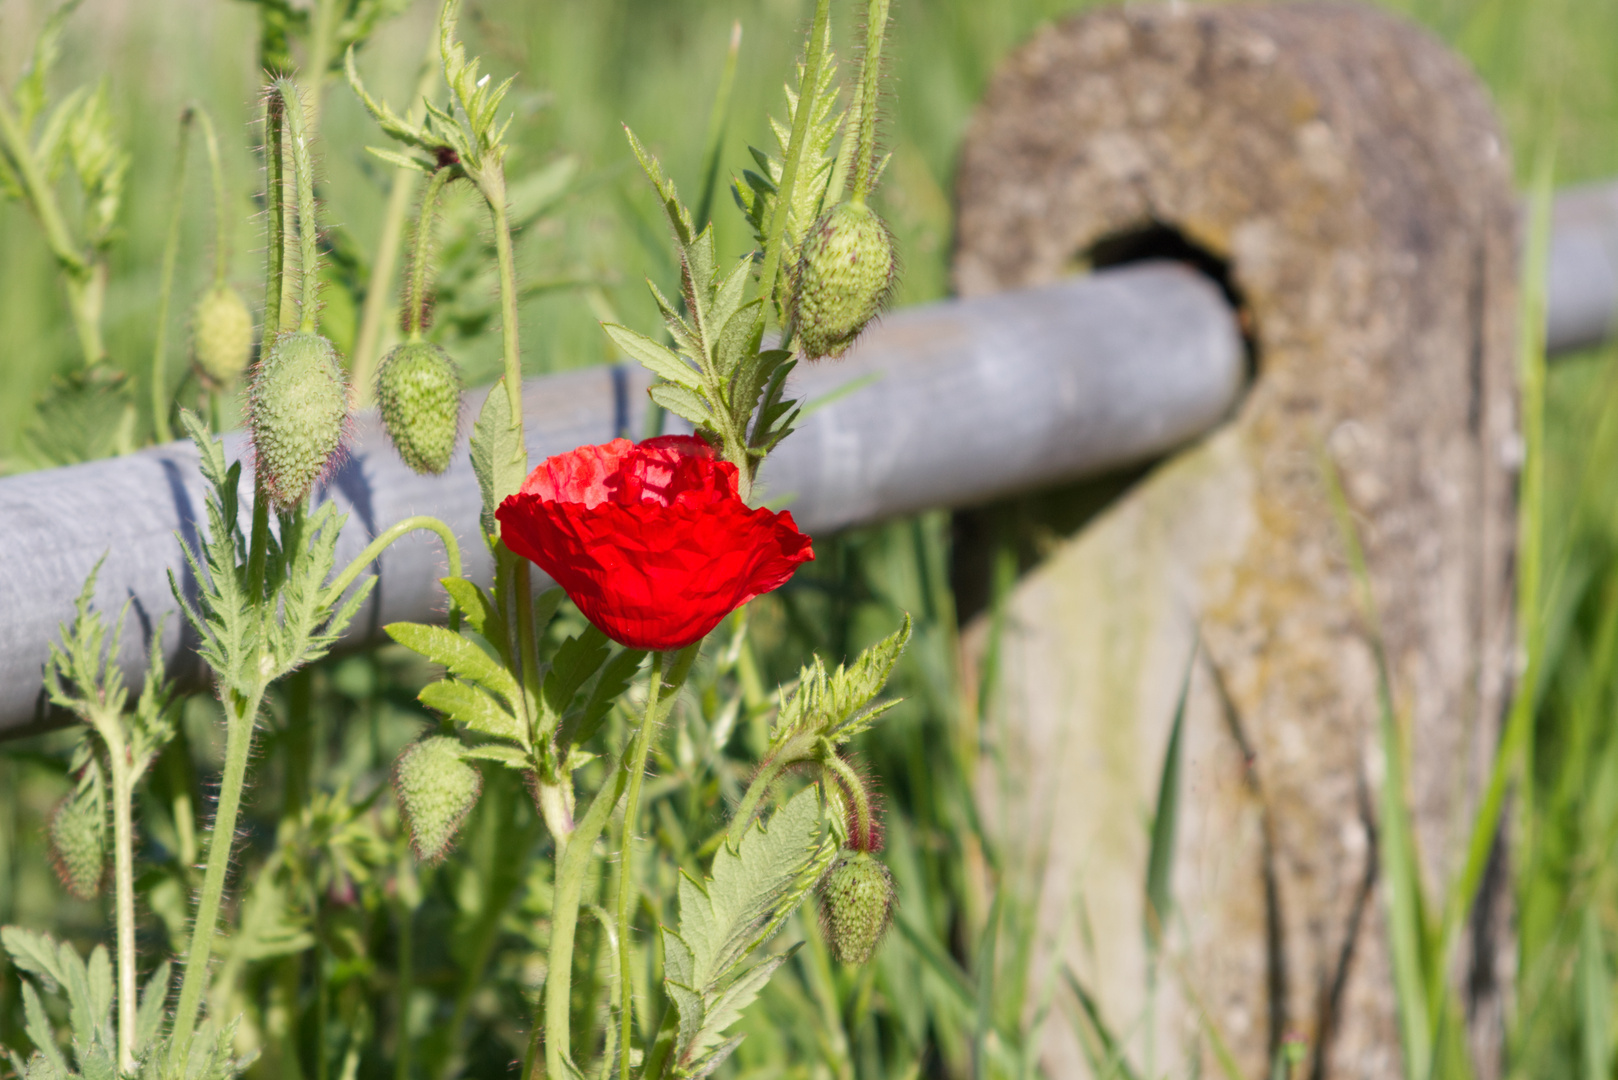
<point x="946" y="405"/>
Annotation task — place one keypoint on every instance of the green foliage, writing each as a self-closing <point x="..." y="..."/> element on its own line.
<point x="254" y="629"/>
<point x="838" y="705"/>
<point x="498" y="456"/>
<point x="820" y="173"/>
<point x="753" y="888"/>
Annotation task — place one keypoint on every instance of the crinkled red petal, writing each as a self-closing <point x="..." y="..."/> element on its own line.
<point x="651" y="541"/>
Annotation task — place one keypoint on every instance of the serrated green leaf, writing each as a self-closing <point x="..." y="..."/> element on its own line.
<point x="684" y="403"/>
<point x="837" y="705"/>
<point x="753" y="887"/>
<point x="499" y="458"/>
<point x="37" y="1026"/>
<point x="576" y="660"/>
<point x="469" y="705"/>
<point x="615" y="679"/>
<point x="739" y="339"/>
<point x="400" y="161"/>
<point x="36" y="953"/>
<point x="479" y="610"/>
<point x="461" y="657"/>
<point x="501" y="755"/>
<point x="153" y="999"/>
<point x="653" y="357"/>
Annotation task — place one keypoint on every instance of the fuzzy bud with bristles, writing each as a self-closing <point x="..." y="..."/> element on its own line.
<point x="845" y="278"/>
<point x="78" y="834"/>
<point x="856" y="903"/>
<point x="221" y="335"/>
<point x="419" y="390"/>
<point x="437" y="788"/>
<point x="296" y="412"/>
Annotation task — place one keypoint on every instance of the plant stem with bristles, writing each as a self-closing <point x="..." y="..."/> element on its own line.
<point x="870" y="79"/>
<point x="421" y="253"/>
<point x="274" y="198"/>
<point x="308" y="230"/>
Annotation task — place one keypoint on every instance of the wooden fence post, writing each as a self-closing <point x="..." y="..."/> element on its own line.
<point x="1347" y="173"/>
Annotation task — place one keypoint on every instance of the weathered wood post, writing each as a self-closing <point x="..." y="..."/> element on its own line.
<point x="1348" y="173"/>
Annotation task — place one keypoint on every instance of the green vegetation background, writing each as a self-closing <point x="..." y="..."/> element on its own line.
<point x="583" y="68"/>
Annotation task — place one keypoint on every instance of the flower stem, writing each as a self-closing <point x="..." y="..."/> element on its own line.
<point x="876" y="23"/>
<point x="171" y="255"/>
<point x="794" y="751"/>
<point x="241" y="711"/>
<point x="275" y="213"/>
<point x="626" y="883"/>
<point x="123" y="840"/>
<point x="308" y="229"/>
<point x="813" y="58"/>
<point x="864" y="838"/>
<point x="571" y="870"/>
<point x="494" y="190"/>
<point x="452" y="552"/>
<point x="421" y="253"/>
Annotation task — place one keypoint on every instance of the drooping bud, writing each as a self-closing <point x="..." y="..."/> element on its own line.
<point x="856" y="903"/>
<point x="437" y="788"/>
<point x="845" y="277"/>
<point x="221" y="335"/>
<point x="78" y="834"/>
<point x="419" y="389"/>
<point x="296" y="413"/>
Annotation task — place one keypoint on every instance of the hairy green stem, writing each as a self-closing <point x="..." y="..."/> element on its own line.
<point x="571" y="870"/>
<point x="528" y="652"/>
<point x="165" y="291"/>
<point x="37" y="191"/>
<point x="849" y="780"/>
<point x="241" y="712"/>
<point x="494" y="190"/>
<point x="814" y="56"/>
<point x="626" y="881"/>
<point x="876" y="23"/>
<point x="422" y="253"/>
<point x="794" y="751"/>
<point x="308" y="229"/>
<point x="123" y="839"/>
<point x="452" y="552"/>
<point x="275" y="213"/>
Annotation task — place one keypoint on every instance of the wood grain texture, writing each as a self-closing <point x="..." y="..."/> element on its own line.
<point x="1350" y="172"/>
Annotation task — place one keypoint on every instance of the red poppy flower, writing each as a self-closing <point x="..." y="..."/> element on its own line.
<point x="651" y="540"/>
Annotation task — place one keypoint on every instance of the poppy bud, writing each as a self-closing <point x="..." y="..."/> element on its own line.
<point x="436" y="789"/>
<point x="78" y="830"/>
<point x="845" y="276"/>
<point x="296" y="412"/>
<point x="857" y="905"/>
<point x="419" y="389"/>
<point x="221" y="335"/>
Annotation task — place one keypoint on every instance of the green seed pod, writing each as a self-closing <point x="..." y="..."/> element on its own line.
<point x="856" y="904"/>
<point x="221" y="335"/>
<point x="437" y="789"/>
<point x="845" y="277"/>
<point x="78" y="834"/>
<point x="296" y="412"/>
<point x="419" y="389"/>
